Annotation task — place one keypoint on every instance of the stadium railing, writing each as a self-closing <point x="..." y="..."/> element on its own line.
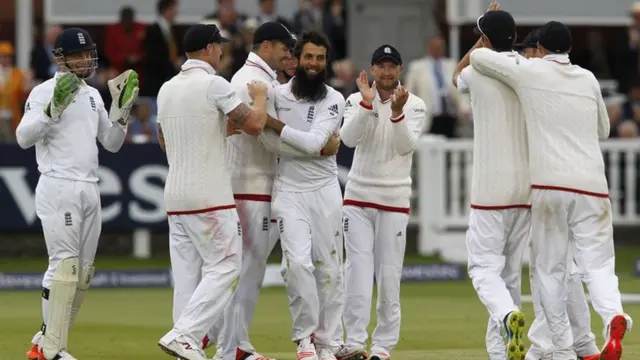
<point x="443" y="184"/>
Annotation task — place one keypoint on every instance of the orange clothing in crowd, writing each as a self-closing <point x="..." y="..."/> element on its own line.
<point x="120" y="44"/>
<point x="13" y="88"/>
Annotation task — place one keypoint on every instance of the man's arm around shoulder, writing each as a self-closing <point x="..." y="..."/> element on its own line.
<point x="505" y="68"/>
<point x="252" y="119"/>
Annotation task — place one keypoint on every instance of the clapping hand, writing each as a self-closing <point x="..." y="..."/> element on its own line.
<point x="368" y="92"/>
<point x="398" y="100"/>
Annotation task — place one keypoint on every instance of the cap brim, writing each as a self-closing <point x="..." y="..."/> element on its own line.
<point x="387" y="57"/>
<point x="224" y="40"/>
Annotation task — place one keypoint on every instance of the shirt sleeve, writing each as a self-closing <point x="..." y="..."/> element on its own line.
<point x="34" y="123"/>
<point x="221" y="95"/>
<point x="356" y="118"/>
<point x="273" y="143"/>
<point x="498" y="66"/>
<point x="326" y="122"/>
<point x="110" y="134"/>
<point x="408" y="127"/>
<point x="464" y="80"/>
<point x="604" y="125"/>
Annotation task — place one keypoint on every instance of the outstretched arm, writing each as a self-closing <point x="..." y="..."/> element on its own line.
<point x="504" y="68"/>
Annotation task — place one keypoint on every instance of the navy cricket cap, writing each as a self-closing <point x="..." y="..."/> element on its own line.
<point x="386" y="52"/>
<point x="274" y="31"/>
<point x="556" y="37"/>
<point x="530" y="41"/>
<point x="497" y="25"/>
<point x="73" y="40"/>
<point x="200" y="35"/>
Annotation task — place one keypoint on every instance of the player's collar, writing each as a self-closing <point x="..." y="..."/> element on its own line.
<point x="558" y="58"/>
<point x="256" y="61"/>
<point x="198" y="64"/>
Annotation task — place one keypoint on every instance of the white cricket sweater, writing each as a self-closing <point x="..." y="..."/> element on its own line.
<point x="191" y="112"/>
<point x="565" y="115"/>
<point x="380" y="175"/>
<point x="500" y="176"/>
<point x="308" y="127"/>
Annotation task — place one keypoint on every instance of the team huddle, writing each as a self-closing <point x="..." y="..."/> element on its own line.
<point x="538" y="120"/>
<point x="253" y="160"/>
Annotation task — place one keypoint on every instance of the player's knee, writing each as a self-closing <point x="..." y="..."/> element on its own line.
<point x="67" y="271"/>
<point x="85" y="277"/>
<point x="297" y="264"/>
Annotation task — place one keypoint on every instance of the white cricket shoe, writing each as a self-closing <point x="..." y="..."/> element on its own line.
<point x="326" y="354"/>
<point x="65" y="356"/>
<point x="306" y="350"/>
<point x="182" y="348"/>
<point x="348" y="352"/>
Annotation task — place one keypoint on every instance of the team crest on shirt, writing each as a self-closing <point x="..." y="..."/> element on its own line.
<point x="311" y="114"/>
<point x="93" y="103"/>
<point x="265" y="223"/>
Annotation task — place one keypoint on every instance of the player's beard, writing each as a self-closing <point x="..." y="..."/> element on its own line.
<point x="310" y="88"/>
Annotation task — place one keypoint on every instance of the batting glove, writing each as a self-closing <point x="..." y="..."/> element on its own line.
<point x="64" y="92"/>
<point x="124" y="92"/>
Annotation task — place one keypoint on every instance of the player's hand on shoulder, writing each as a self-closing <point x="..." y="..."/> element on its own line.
<point x="367" y="92"/>
<point x="64" y="91"/>
<point x="257" y="89"/>
<point x="399" y="99"/>
<point x="232" y="129"/>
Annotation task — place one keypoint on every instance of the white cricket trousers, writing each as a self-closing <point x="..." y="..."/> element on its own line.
<point x="69" y="211"/>
<point x="375" y="241"/>
<point x="496" y="241"/>
<point x="257" y="244"/>
<point x="563" y="221"/>
<point x="310" y="225"/>
<point x="584" y="341"/>
<point x="206" y="255"/>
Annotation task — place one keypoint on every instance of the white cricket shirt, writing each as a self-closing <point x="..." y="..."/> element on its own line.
<point x="565" y="115"/>
<point x="308" y="127"/>
<point x="67" y="148"/>
<point x="191" y="112"/>
<point x="380" y="175"/>
<point x="500" y="177"/>
<point x="252" y="159"/>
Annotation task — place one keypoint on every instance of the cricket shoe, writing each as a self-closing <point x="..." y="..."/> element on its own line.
<point x="32" y="354"/>
<point x="379" y="355"/>
<point x="182" y="348"/>
<point x="614" y="333"/>
<point x="326" y="354"/>
<point x="62" y="355"/>
<point x="347" y="352"/>
<point x="306" y="350"/>
<point x="246" y="355"/>
<point x="514" y="324"/>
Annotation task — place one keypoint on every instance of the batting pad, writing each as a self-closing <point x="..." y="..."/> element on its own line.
<point x="63" y="289"/>
<point x="86" y="275"/>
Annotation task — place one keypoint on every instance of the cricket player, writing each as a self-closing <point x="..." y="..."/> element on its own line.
<point x="205" y="236"/>
<point x="500" y="216"/>
<point x="565" y="116"/>
<point x="252" y="161"/>
<point x="584" y="341"/>
<point x="63" y="118"/>
<point x="383" y="122"/>
<point x="307" y="201"/>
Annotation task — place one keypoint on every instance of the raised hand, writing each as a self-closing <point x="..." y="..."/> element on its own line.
<point x="257" y="89"/>
<point x="399" y="99"/>
<point x="332" y="146"/>
<point x="124" y="90"/>
<point x="64" y="91"/>
<point x="494" y="6"/>
<point x="368" y="92"/>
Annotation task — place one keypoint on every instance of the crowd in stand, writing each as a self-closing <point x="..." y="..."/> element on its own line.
<point x="153" y="50"/>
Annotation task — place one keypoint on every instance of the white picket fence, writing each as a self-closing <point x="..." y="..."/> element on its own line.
<point x="443" y="177"/>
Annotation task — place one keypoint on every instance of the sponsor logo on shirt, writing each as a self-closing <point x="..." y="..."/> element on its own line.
<point x="419" y="110"/>
<point x="348" y="104"/>
<point x="333" y="109"/>
<point x="27" y="107"/>
<point x="374" y="114"/>
<point x="280" y="108"/>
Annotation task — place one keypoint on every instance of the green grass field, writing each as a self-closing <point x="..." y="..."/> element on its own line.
<point x="440" y="319"/>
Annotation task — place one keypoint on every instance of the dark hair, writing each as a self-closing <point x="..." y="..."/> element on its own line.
<point x="164" y="5"/>
<point x="313" y="37"/>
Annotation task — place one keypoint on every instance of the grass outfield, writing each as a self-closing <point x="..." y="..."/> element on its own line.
<point x="440" y="319"/>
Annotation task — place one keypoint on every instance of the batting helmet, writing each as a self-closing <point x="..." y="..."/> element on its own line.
<point x="75" y="41"/>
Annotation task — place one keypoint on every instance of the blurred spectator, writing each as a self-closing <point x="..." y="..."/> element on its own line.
<point x="99" y="81"/>
<point x="13" y="92"/>
<point x="626" y="53"/>
<point x="430" y="79"/>
<point x="289" y="66"/>
<point x="334" y="25"/>
<point x="594" y="56"/>
<point x="123" y="41"/>
<point x="142" y="126"/>
<point x="345" y="77"/>
<point x="42" y="64"/>
<point x="625" y="117"/>
<point x="240" y="18"/>
<point x="309" y="17"/>
<point x="160" y="50"/>
<point x="268" y="13"/>
<point x="241" y="49"/>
